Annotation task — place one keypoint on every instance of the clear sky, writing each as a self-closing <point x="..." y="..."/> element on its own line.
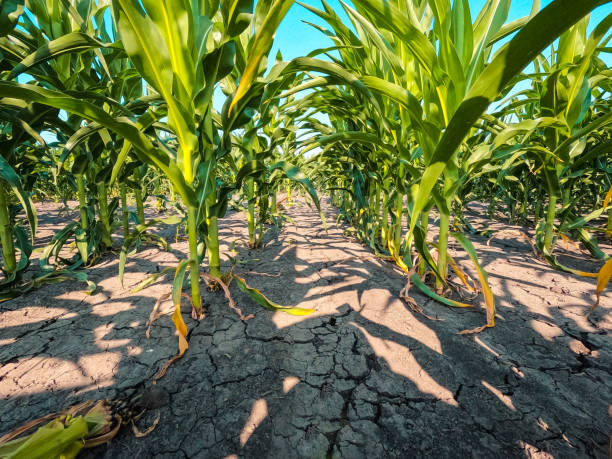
<point x="295" y="38"/>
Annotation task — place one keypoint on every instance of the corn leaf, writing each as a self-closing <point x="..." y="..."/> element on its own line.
<point x="119" y="125"/>
<point x="482" y="276"/>
<point x="261" y="300"/>
<point x="603" y="277"/>
<point x="528" y="43"/>
<point x="261" y="47"/>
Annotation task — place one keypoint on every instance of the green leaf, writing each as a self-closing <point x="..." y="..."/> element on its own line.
<point x="121" y="126"/>
<point x="261" y="300"/>
<point x="528" y="43"/>
<point x="8" y="174"/>
<point x="335" y="70"/>
<point x="54" y="439"/>
<point x="294" y="174"/>
<point x="261" y="47"/>
<point x="348" y="137"/>
<point x="237" y="15"/>
<point x="74" y="42"/>
<point x="158" y="55"/>
<point x="151" y="279"/>
<point x="431" y="294"/>
<point x="387" y="15"/>
<point x="10" y="10"/>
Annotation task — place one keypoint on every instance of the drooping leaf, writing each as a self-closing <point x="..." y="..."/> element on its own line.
<point x="603" y="277"/>
<point x="261" y="300"/>
<point x="482" y="276"/>
<point x="10" y="177"/>
<point x="74" y="42"/>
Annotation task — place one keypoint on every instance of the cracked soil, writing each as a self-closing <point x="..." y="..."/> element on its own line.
<point x="364" y="376"/>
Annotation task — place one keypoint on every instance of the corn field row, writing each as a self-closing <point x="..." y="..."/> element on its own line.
<point x="418" y="108"/>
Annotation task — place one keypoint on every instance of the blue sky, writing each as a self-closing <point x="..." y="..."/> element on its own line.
<point x="294" y="38"/>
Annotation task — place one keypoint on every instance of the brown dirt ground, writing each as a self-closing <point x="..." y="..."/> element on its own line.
<point x="364" y="376"/>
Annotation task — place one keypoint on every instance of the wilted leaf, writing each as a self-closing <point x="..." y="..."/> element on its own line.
<point x="261" y="299"/>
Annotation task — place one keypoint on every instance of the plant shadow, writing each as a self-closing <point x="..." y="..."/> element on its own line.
<point x="362" y="376"/>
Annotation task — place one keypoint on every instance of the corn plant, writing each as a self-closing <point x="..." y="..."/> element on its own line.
<point x="560" y="132"/>
<point x="181" y="60"/>
<point x="406" y="88"/>
<point x="266" y="141"/>
<point x="20" y="131"/>
<point x="429" y="73"/>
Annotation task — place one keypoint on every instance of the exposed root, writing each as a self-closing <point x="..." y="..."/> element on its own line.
<point x="474" y="330"/>
<point x="212" y="285"/>
<point x="412" y="304"/>
<point x="139" y="434"/>
<point x="228" y="295"/>
<point x="464" y="293"/>
<point x="161" y="373"/>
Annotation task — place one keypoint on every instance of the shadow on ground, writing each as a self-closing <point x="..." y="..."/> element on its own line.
<point x="364" y="376"/>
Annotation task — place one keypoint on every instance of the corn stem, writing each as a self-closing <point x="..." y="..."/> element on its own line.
<point x="424" y="225"/>
<point x="104" y="217"/>
<point x="273" y="202"/>
<point x="251" y="210"/>
<point x="212" y="245"/>
<point x="196" y="299"/>
<point x="550" y="222"/>
<point x="80" y="181"/>
<point x="6" y="234"/>
<point x="124" y="210"/>
<point x="81" y="236"/>
<point x="442" y="249"/>
<point x="212" y="240"/>
<point x="397" y="231"/>
<point x="385" y="219"/>
<point x="138" y="199"/>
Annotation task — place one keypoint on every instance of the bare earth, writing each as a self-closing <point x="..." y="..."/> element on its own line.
<point x="364" y="376"/>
